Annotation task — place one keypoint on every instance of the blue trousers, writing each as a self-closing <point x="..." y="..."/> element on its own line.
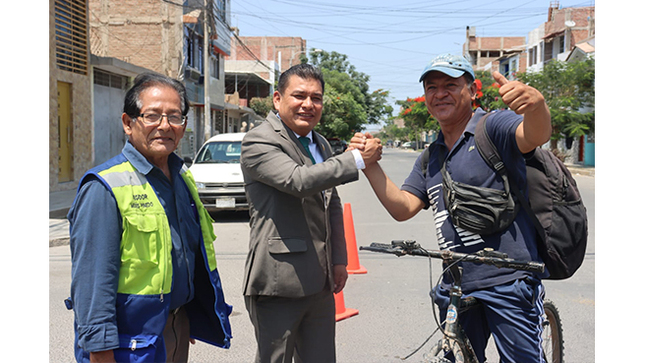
<point x="512" y="313"/>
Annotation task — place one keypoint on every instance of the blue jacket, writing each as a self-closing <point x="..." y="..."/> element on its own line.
<point x="145" y="278"/>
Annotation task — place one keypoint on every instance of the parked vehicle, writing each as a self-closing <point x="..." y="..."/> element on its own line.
<point x="337" y="145"/>
<point x="407" y="145"/>
<point x="218" y="173"/>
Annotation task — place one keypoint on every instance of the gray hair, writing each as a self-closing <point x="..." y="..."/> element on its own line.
<point x="132" y="103"/>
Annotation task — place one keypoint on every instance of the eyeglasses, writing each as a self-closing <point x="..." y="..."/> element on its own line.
<point x="155" y="119"/>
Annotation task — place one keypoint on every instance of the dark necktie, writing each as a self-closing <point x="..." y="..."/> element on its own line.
<point x="304" y="140"/>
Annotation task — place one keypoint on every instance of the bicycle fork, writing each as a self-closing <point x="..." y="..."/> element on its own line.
<point x="455" y="337"/>
<point x="452" y="314"/>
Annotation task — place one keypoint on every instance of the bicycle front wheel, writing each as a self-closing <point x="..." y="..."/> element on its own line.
<point x="552" y="341"/>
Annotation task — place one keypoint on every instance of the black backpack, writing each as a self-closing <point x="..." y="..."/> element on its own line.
<point x="554" y="204"/>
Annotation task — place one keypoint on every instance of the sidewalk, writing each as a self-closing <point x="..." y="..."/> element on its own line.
<point x="60" y="202"/>
<point x="582" y="170"/>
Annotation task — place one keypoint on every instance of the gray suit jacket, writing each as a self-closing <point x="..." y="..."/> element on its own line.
<point x="297" y="231"/>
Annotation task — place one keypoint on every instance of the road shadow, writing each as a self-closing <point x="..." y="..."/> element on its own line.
<point x="231" y="216"/>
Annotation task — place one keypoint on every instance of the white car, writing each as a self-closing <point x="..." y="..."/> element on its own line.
<point x="218" y="174"/>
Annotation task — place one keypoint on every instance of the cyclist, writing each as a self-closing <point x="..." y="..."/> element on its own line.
<point x="511" y="301"/>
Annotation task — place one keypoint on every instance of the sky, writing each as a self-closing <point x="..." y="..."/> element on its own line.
<point x="391" y="41"/>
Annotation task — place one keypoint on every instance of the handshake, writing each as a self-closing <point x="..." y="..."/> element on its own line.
<point x="369" y="147"/>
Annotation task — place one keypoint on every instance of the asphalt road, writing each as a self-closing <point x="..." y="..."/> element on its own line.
<point x="395" y="313"/>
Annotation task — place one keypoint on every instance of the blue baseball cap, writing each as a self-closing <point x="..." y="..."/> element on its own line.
<point x="453" y="65"/>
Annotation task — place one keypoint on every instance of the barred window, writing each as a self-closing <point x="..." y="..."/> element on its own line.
<point x="70" y="19"/>
<point x="108" y="79"/>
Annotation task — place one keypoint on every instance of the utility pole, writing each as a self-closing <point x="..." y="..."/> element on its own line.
<point x="207" y="76"/>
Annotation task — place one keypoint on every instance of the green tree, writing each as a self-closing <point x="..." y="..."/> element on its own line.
<point x="348" y="103"/>
<point x="262" y="106"/>
<point x="568" y="87"/>
<point x="416" y="117"/>
<point x="392" y="132"/>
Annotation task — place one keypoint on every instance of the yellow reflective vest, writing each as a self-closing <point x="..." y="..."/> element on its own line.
<point x="145" y="274"/>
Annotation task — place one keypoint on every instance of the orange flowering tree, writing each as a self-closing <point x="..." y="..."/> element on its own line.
<point x="415" y="114"/>
<point x="416" y="117"/>
<point x="487" y="96"/>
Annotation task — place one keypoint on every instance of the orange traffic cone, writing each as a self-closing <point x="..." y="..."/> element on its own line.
<point x="341" y="311"/>
<point x="353" y="265"/>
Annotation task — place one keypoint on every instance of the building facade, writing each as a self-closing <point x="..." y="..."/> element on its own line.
<point x="170" y="38"/>
<point x="253" y="69"/>
<point x="558" y="36"/>
<point x="503" y="54"/>
<point x="70" y="106"/>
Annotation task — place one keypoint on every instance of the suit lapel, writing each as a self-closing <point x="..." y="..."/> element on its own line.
<point x="290" y="138"/>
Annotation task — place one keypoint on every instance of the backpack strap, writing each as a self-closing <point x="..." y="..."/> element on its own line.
<point x="488" y="151"/>
<point x="425" y="158"/>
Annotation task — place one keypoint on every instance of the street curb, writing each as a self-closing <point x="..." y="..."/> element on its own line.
<point x="56" y="242"/>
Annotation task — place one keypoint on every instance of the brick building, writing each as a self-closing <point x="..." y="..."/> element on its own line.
<point x="168" y="38"/>
<point x="504" y="54"/>
<point x="558" y="36"/>
<point x="255" y="63"/>
<point x="254" y="66"/>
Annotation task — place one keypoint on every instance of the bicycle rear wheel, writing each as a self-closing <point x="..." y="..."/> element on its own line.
<point x="552" y="341"/>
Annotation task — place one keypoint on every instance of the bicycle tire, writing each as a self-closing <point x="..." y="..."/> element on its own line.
<point x="552" y="340"/>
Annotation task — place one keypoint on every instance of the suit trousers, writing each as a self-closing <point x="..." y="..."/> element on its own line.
<point x="176" y="336"/>
<point x="294" y="328"/>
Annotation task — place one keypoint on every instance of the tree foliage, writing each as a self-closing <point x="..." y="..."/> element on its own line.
<point x="487" y="92"/>
<point x="348" y="105"/>
<point x="262" y="106"/>
<point x="568" y="88"/>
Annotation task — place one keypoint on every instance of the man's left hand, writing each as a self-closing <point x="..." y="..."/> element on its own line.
<point x="340" y="278"/>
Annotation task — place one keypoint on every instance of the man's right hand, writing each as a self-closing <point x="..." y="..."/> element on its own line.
<point x="106" y="356"/>
<point x="369" y="147"/>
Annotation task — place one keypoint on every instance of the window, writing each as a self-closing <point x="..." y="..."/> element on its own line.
<point x="108" y="79"/>
<point x="193" y="49"/>
<point x="215" y="64"/>
<point x="220" y="152"/>
<point x="220" y="9"/>
<point x="188" y="46"/>
<point x="199" y="57"/>
<point x="535" y="55"/>
<point x="561" y="45"/>
<point x="532" y="56"/>
<point x="70" y="23"/>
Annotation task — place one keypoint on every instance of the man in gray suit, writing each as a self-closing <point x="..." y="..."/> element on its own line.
<point x="297" y="255"/>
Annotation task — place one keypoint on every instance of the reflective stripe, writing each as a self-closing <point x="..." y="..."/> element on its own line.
<point x="123" y="178"/>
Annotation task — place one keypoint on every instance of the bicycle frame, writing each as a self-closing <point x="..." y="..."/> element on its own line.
<point x="453" y="334"/>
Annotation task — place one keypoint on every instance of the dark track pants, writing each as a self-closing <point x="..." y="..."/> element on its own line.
<point x="512" y="313"/>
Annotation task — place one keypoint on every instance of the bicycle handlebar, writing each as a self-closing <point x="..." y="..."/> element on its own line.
<point x="486" y="256"/>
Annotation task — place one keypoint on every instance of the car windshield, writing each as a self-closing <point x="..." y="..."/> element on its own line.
<point x="220" y="152"/>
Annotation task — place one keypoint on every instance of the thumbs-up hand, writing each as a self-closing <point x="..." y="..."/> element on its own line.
<point x="518" y="96"/>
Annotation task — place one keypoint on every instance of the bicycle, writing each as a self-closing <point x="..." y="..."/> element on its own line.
<point x="454" y="339"/>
